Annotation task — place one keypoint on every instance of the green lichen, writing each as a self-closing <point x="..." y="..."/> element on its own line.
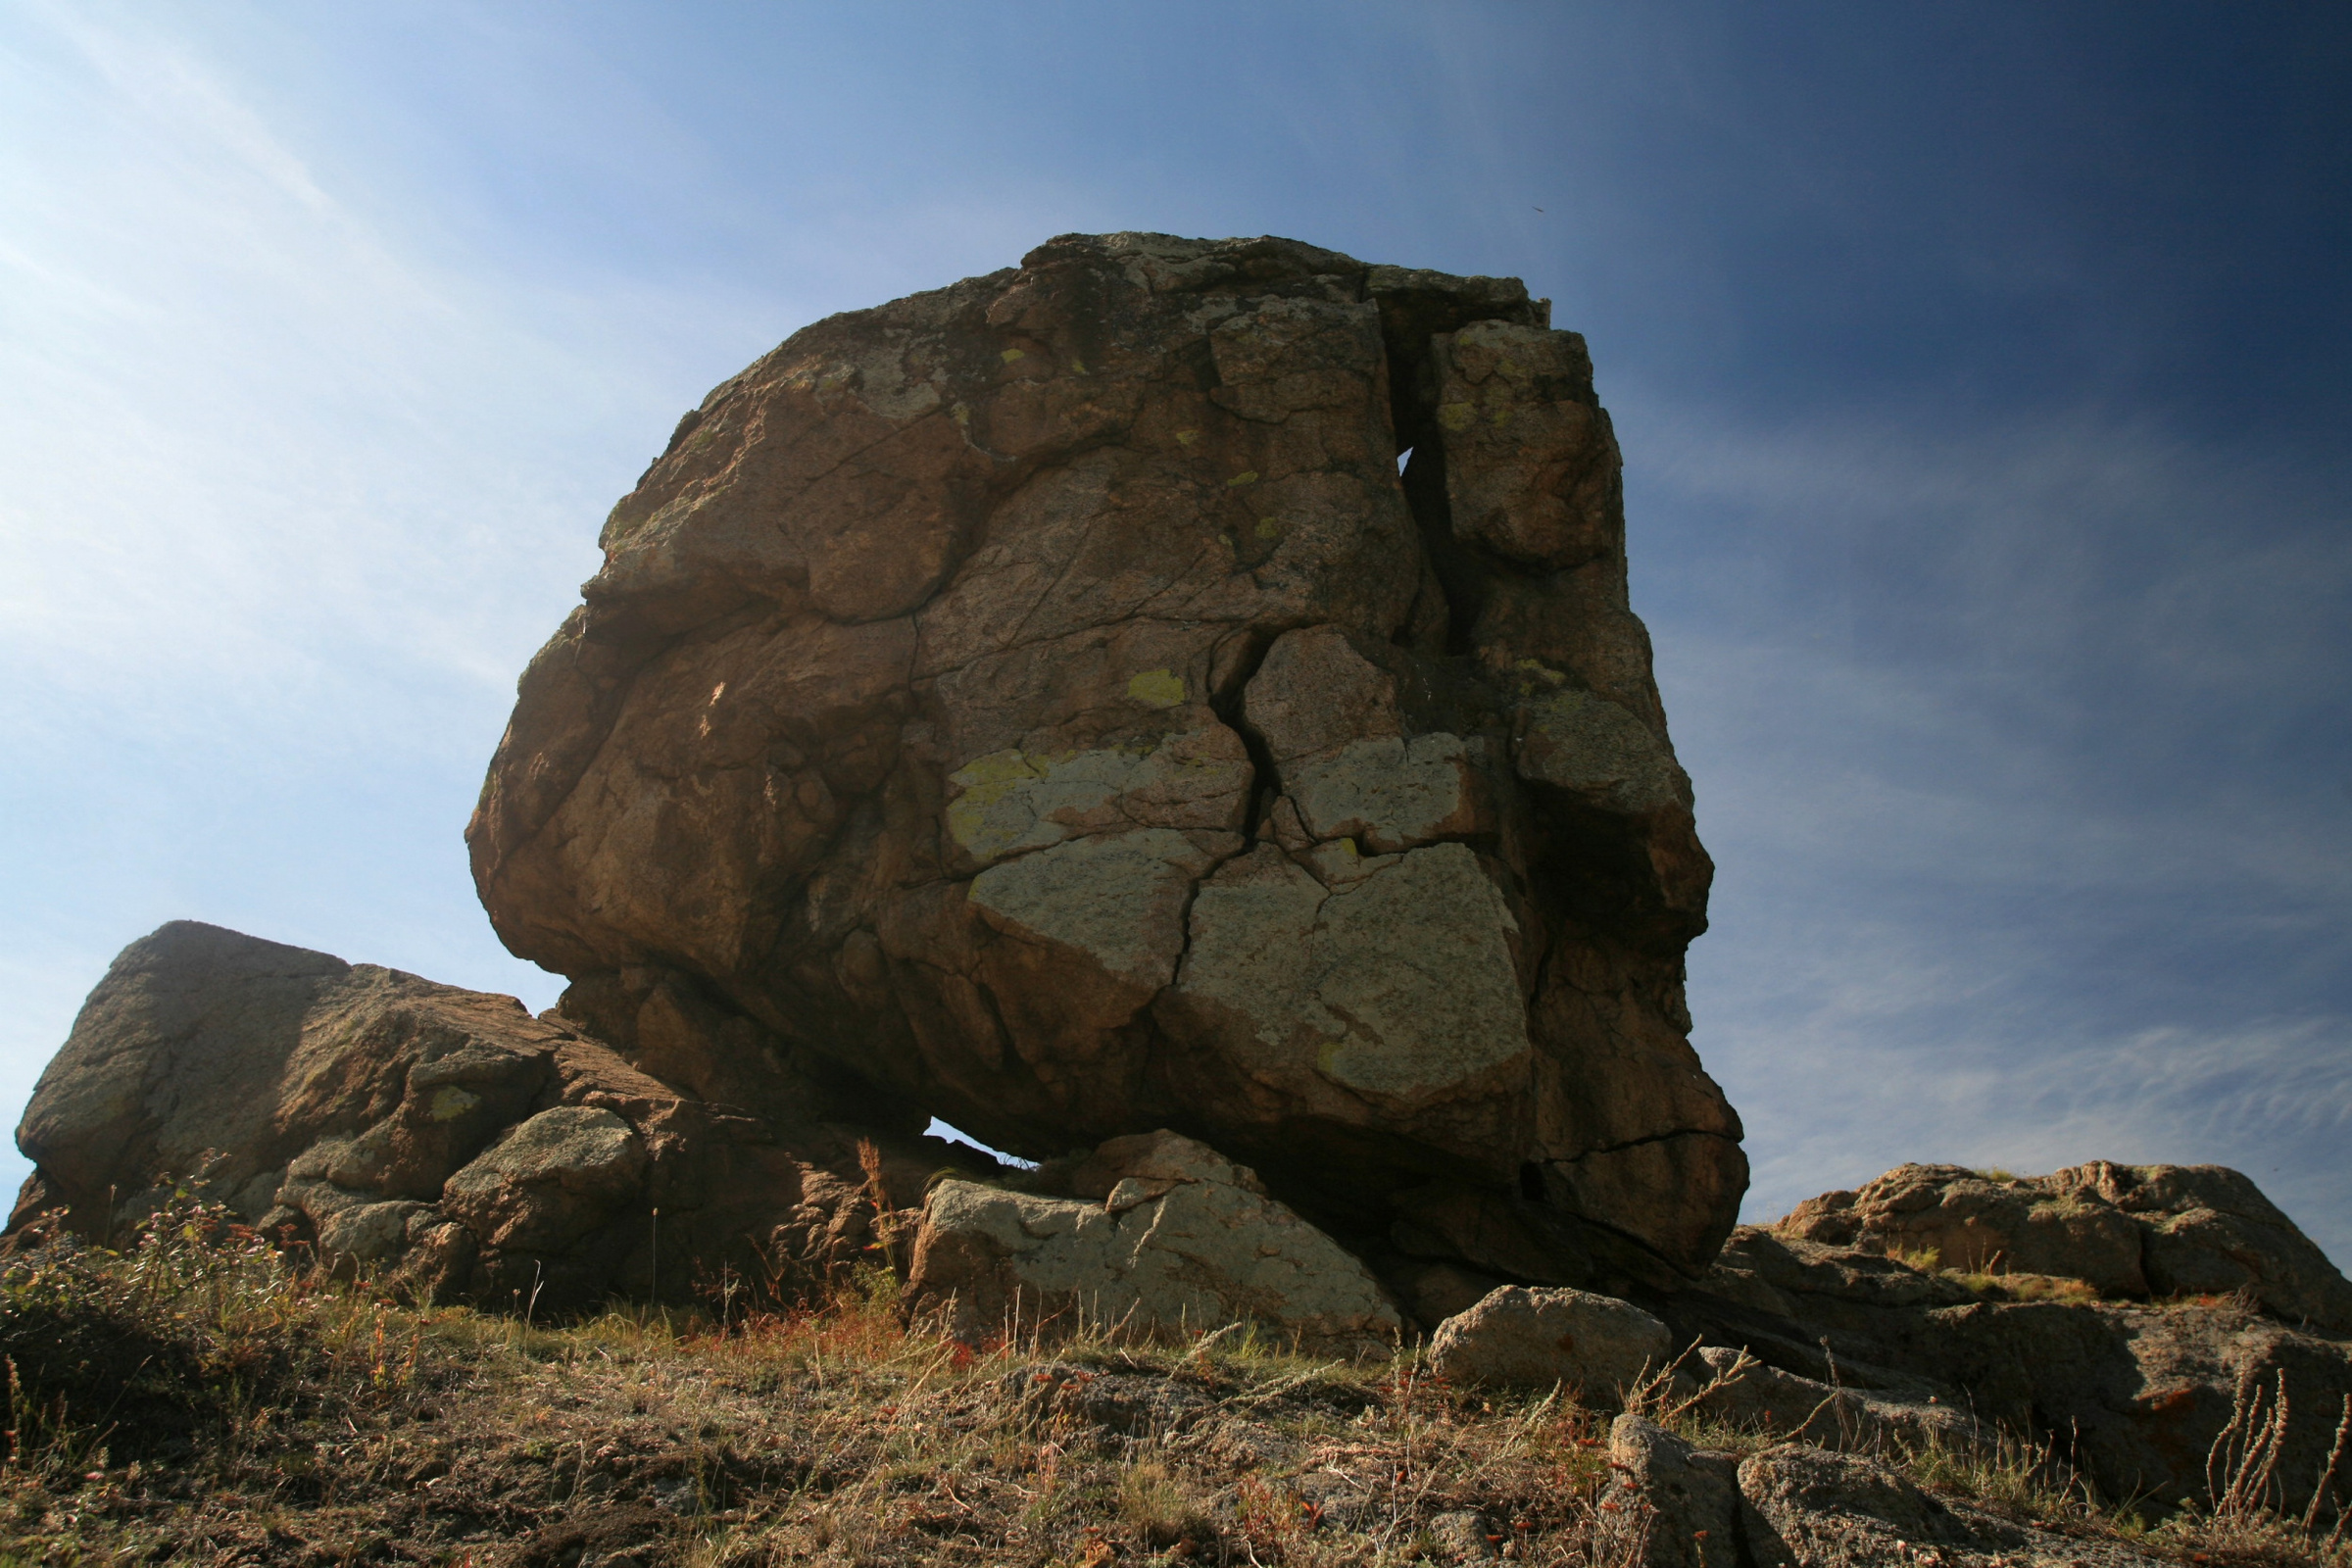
<point x="1156" y="688"/>
<point x="449" y="1102"/>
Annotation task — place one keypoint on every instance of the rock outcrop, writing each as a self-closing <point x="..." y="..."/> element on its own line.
<point x="2069" y="1349"/>
<point x="443" y="1136"/>
<point x="2126" y="1231"/>
<point x="1672" y="1506"/>
<point x="1157" y="1235"/>
<point x="1045" y="700"/>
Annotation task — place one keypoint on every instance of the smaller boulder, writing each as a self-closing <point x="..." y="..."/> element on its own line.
<point x="1677" y="1506"/>
<point x="549" y="1181"/>
<point x="367" y="1233"/>
<point x="1157" y="1235"/>
<point x="1536" y="1337"/>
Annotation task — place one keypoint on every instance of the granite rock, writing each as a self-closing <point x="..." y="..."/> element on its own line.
<point x="1045" y="699"/>
<point x="1518" y="1337"/>
<point x="1154" y="1235"/>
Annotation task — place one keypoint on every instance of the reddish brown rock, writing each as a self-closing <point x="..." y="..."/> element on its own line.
<point x="2125" y="1230"/>
<point x="1901" y="1292"/>
<point x="1044" y="699"/>
<point x="450" y="1137"/>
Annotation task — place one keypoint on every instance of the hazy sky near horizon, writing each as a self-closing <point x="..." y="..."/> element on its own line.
<point x="1981" y="370"/>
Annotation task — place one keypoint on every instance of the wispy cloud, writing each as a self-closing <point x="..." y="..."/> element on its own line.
<point x="2017" y="867"/>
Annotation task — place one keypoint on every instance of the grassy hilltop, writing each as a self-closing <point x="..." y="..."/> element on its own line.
<point x="191" y="1398"/>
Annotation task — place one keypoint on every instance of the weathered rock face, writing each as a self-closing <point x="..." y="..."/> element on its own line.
<point x="1045" y="697"/>
<point x="440" y="1133"/>
<point x="1677" y="1506"/>
<point x="1161" y="1235"/>
<point x="2133" y="1391"/>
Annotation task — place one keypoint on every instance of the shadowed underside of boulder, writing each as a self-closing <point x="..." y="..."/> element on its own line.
<point x="1045" y="698"/>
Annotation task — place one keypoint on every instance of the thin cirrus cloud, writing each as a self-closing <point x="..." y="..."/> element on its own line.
<point x="2040" y="855"/>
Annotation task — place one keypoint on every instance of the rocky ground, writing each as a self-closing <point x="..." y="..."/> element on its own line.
<point x="191" y="1401"/>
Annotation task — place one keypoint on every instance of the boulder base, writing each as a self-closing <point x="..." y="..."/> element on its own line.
<point x="1161" y="1236"/>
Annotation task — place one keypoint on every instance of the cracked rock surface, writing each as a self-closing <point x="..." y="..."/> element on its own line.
<point x="1045" y="698"/>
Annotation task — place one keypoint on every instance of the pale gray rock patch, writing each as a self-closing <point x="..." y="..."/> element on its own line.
<point x="1117" y="901"/>
<point x="1011" y="802"/>
<point x="1391" y="793"/>
<point x="1183" y="1242"/>
<point x="1397" y="986"/>
<point x="1594" y="748"/>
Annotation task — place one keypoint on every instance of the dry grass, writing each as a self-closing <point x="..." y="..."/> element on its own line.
<point x="2254" y="1516"/>
<point x="192" y="1401"/>
<point x="1994" y="1282"/>
<point x="214" y="1407"/>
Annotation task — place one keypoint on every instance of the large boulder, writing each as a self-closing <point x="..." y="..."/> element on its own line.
<point x="444" y="1135"/>
<point x="1158" y="1234"/>
<point x="1045" y="697"/>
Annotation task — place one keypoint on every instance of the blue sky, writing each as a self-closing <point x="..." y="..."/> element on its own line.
<point x="1981" y="372"/>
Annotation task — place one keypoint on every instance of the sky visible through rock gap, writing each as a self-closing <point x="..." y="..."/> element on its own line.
<point x="1978" y="372"/>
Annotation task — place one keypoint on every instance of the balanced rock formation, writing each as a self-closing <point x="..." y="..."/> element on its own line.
<point x="1045" y="700"/>
<point x="442" y="1134"/>
<point x="1158" y="1234"/>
